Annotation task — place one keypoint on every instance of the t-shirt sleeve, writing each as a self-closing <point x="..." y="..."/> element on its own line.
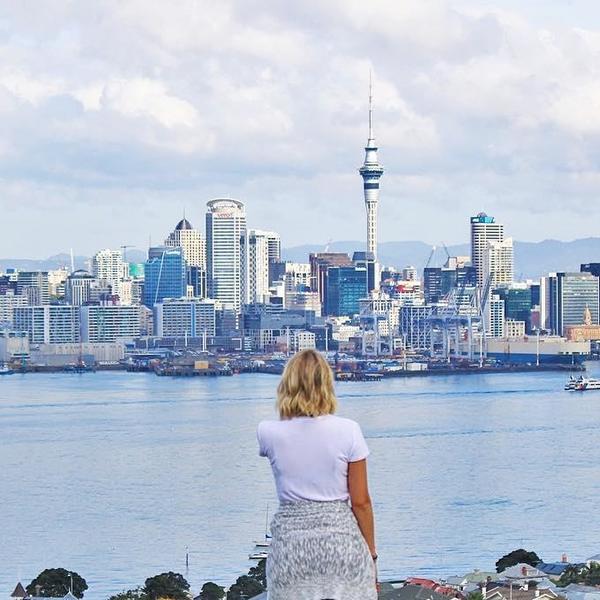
<point x="358" y="449"/>
<point x="260" y="436"/>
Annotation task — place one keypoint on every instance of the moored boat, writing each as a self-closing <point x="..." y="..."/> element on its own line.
<point x="587" y="383"/>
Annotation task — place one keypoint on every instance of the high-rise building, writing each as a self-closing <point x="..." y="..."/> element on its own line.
<point x="103" y="324"/>
<point x="34" y="285"/>
<point x="366" y="260"/>
<point x="164" y="275"/>
<point x="8" y="302"/>
<point x="567" y="297"/>
<point x="191" y="241"/>
<point x="498" y="263"/>
<point x="178" y="318"/>
<point x="346" y="286"/>
<point x="225" y="256"/>
<point x="484" y="229"/>
<point x="107" y="264"/>
<point x="257" y="265"/>
<point x="319" y="264"/>
<point x="49" y="324"/>
<point x="495" y="316"/>
<point x="371" y="171"/>
<point x="79" y="287"/>
<point x="593" y="268"/>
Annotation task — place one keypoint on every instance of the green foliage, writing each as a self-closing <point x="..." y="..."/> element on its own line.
<point x="167" y="585"/>
<point x="136" y="594"/>
<point x="475" y="596"/>
<point x="515" y="557"/>
<point x="244" y="588"/>
<point x="259" y="572"/>
<point x="583" y="575"/>
<point x="57" y="583"/>
<point x="212" y="591"/>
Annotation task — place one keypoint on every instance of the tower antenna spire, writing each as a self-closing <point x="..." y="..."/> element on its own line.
<point x="371" y="105"/>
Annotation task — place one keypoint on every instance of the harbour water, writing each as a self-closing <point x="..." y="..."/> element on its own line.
<point x="115" y="475"/>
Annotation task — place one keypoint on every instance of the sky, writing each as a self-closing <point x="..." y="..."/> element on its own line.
<point x="116" y="116"/>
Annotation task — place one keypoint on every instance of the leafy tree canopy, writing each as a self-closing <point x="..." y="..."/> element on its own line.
<point x="581" y="574"/>
<point x="515" y="557"/>
<point x="212" y="591"/>
<point x="259" y="572"/>
<point x="244" y="588"/>
<point x="167" y="585"/>
<point x="57" y="583"/>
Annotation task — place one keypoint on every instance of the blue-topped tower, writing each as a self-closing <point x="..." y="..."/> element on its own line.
<point x="371" y="171"/>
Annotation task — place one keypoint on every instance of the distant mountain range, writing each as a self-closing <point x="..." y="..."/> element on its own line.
<point x="532" y="259"/>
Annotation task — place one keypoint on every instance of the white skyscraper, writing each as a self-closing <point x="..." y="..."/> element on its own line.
<point x="110" y="270"/>
<point x="225" y="252"/>
<point x="257" y="274"/>
<point x="498" y="263"/>
<point x="191" y="240"/>
<point x="371" y="171"/>
<point x="483" y="230"/>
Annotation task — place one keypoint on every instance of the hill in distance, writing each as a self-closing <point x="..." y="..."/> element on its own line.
<point x="532" y="259"/>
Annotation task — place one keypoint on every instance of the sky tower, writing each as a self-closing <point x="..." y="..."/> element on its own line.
<point x="371" y="171"/>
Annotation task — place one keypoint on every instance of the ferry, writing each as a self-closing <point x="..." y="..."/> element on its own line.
<point x="588" y="384"/>
<point x="258" y="555"/>
<point x="573" y="382"/>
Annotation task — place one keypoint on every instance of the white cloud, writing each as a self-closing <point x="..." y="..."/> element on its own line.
<point x="131" y="102"/>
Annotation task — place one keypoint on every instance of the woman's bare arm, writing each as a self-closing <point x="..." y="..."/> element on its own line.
<point x="361" y="501"/>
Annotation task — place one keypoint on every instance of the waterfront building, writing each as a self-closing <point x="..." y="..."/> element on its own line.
<point x="546" y="349"/>
<point x="34" y="285"/>
<point x="109" y="323"/>
<point x="164" y="275"/>
<point x="514" y="328"/>
<point x="70" y="353"/>
<point x="14" y="345"/>
<point x="265" y="326"/>
<point x="8" y="302"/>
<point x="566" y="297"/>
<point x="79" y="287"/>
<point x="257" y="265"/>
<point x="185" y="317"/>
<point x="303" y="301"/>
<point x="345" y="287"/>
<point x="587" y="331"/>
<point x="498" y="263"/>
<point x="371" y="171"/>
<point x="225" y="252"/>
<point x="484" y="229"/>
<point x="302" y="340"/>
<point x="48" y="324"/>
<point x="191" y="241"/>
<point x="593" y="268"/>
<point x="319" y="264"/>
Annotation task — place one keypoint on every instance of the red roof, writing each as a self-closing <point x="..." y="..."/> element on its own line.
<point x="426" y="583"/>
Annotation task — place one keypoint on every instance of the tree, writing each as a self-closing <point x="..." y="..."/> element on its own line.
<point x="581" y="574"/>
<point x="57" y="583"/>
<point x="475" y="596"/>
<point x="167" y="585"/>
<point x="515" y="557"/>
<point x="244" y="588"/>
<point x="259" y="572"/>
<point x="212" y="591"/>
<point x="136" y="594"/>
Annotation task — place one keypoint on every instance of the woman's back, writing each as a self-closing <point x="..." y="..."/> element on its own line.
<point x="310" y="455"/>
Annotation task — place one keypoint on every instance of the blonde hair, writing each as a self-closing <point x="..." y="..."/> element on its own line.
<point x="306" y="387"/>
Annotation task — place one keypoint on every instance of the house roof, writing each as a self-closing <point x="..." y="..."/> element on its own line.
<point x="409" y="592"/>
<point x="522" y="571"/>
<point x="19" y="591"/>
<point x="553" y="568"/>
<point x="595" y="558"/>
<point x="519" y="594"/>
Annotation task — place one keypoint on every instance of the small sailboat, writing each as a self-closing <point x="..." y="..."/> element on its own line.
<point x="260" y="554"/>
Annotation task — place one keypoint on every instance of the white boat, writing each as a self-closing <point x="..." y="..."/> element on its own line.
<point x="588" y="383"/>
<point x="571" y="385"/>
<point x="4" y="370"/>
<point x="258" y="555"/>
<point x="263" y="543"/>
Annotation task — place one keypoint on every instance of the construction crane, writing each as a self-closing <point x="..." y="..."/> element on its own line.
<point x="124" y="249"/>
<point x="433" y="249"/>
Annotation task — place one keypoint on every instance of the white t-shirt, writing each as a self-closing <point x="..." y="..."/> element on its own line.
<point x="310" y="455"/>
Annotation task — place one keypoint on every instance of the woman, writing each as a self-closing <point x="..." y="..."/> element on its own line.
<point x="321" y="548"/>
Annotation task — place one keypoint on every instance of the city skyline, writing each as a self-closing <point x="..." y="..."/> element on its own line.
<point x="480" y="106"/>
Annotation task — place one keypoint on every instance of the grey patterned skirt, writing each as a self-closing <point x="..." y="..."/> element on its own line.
<point x="318" y="552"/>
